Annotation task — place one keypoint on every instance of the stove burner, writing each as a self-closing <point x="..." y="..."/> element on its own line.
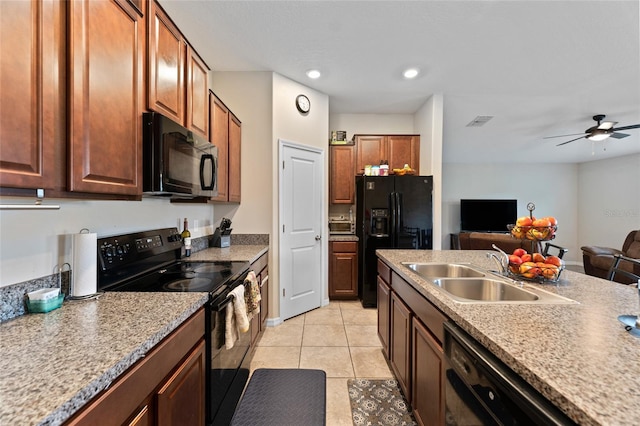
<point x="194" y="284"/>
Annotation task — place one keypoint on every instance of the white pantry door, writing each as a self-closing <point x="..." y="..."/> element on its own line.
<point x="301" y="177"/>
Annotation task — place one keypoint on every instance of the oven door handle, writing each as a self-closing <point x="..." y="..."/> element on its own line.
<point x="224" y="303"/>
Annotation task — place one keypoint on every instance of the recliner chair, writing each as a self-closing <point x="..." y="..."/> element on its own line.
<point x="597" y="260"/>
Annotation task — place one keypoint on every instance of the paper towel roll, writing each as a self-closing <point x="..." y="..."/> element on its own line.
<point x="84" y="266"/>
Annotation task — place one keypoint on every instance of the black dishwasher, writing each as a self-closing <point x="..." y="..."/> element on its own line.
<point x="481" y="390"/>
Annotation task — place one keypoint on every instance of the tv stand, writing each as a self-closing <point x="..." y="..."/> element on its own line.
<point x="484" y="241"/>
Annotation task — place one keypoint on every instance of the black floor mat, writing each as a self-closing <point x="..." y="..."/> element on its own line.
<point x="282" y="397"/>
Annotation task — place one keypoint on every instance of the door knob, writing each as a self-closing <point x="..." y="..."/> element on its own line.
<point x="318" y="237"/>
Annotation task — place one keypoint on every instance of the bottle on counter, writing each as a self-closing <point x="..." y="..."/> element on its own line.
<point x="186" y="238"/>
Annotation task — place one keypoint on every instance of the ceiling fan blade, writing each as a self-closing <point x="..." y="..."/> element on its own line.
<point x="618" y="135"/>
<point x="564" y="136"/>
<point x="564" y="143"/>
<point x="606" y="125"/>
<point x="634" y="126"/>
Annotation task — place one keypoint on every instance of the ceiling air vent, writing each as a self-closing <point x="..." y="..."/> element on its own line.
<point x="479" y="120"/>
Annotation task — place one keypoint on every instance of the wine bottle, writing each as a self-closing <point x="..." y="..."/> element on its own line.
<point x="186" y="238"/>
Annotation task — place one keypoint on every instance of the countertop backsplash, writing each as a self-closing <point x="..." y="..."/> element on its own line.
<point x="12" y="297"/>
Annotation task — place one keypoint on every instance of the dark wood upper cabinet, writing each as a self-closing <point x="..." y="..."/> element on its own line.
<point x="226" y="134"/>
<point x="403" y="149"/>
<point x="197" y="94"/>
<point x="235" y="141"/>
<point x="342" y="179"/>
<point x="178" y="77"/>
<point x="106" y="51"/>
<point x="397" y="150"/>
<point x="167" y="59"/>
<point x="219" y="124"/>
<point x="32" y="100"/>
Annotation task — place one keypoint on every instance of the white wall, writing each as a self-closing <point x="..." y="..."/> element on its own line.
<point x="608" y="201"/>
<point x="553" y="188"/>
<point x="429" y="123"/>
<point x="371" y="124"/>
<point x="249" y="96"/>
<point x="32" y="242"/>
<point x="312" y="130"/>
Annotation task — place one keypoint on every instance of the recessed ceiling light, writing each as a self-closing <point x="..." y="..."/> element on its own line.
<point x="313" y="74"/>
<point x="411" y="73"/>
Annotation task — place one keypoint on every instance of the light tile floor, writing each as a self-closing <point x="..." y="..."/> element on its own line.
<point x="340" y="339"/>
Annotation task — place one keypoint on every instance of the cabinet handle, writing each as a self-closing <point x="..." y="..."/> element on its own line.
<point x="264" y="280"/>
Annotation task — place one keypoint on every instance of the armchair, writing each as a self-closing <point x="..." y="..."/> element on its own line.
<point x="597" y="261"/>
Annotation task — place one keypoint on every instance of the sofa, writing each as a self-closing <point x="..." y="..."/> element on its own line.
<point x="598" y="260"/>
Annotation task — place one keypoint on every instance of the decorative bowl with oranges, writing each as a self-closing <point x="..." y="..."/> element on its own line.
<point x="530" y="228"/>
<point x="535" y="266"/>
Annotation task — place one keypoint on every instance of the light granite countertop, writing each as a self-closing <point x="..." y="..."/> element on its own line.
<point x="579" y="356"/>
<point x="343" y="237"/>
<point x="249" y="253"/>
<point x="52" y="364"/>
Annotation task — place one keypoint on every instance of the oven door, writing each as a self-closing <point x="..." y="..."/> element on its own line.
<point x="228" y="369"/>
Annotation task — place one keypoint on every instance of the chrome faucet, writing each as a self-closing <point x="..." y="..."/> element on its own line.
<point x="502" y="260"/>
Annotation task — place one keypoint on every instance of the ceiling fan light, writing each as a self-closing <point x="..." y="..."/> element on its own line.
<point x="598" y="136"/>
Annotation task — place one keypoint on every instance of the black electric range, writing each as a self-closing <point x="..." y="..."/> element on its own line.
<point x="150" y="261"/>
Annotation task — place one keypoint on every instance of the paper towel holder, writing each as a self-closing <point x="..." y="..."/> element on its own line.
<point x="71" y="295"/>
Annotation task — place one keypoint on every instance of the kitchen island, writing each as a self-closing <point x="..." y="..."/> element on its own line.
<point x="578" y="356"/>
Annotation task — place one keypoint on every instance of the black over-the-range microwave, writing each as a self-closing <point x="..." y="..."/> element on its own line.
<point x="176" y="162"/>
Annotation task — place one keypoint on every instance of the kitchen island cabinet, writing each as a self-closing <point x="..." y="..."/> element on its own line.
<point x="572" y="354"/>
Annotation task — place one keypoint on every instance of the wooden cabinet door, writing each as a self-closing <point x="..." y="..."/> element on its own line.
<point x="167" y="51"/>
<point x="219" y="128"/>
<point x="32" y="100"/>
<point x="370" y="150"/>
<point x="107" y="40"/>
<point x="197" y="94"/>
<point x="234" y="174"/>
<point x="342" y="177"/>
<point x="181" y="401"/>
<point x="400" y="343"/>
<point x="343" y="270"/>
<point x="384" y="302"/>
<point x="427" y="376"/>
<point x="144" y="417"/>
<point x="403" y="149"/>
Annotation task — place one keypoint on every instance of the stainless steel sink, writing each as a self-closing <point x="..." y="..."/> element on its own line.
<point x="484" y="289"/>
<point x="440" y="270"/>
<point x="469" y="284"/>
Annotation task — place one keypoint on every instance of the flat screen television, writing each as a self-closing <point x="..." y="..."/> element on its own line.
<point x="487" y="215"/>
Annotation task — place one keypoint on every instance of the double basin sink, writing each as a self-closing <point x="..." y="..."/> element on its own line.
<point x="468" y="284"/>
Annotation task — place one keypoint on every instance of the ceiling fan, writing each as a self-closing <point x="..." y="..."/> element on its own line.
<point x="600" y="132"/>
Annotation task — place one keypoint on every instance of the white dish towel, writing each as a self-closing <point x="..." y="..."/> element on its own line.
<point x="236" y="317"/>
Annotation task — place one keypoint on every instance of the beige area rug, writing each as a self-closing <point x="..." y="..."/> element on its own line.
<point x="378" y="402"/>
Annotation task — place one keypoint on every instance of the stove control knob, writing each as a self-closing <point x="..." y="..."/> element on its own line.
<point x="109" y="251"/>
<point x="119" y="250"/>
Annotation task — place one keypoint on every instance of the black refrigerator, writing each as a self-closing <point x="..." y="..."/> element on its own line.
<point x="391" y="212"/>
